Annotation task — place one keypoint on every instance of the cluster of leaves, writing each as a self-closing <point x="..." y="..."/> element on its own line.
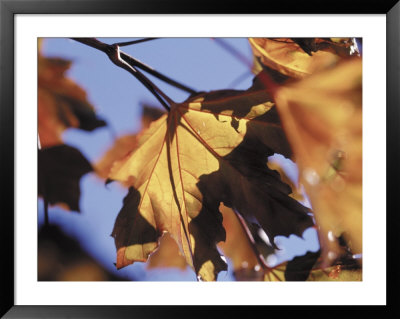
<point x="61" y="104"/>
<point x="199" y="178"/>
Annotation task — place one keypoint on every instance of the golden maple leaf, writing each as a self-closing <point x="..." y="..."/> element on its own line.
<point x="210" y="149"/>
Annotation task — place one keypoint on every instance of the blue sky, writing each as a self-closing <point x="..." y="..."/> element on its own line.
<point x="199" y="63"/>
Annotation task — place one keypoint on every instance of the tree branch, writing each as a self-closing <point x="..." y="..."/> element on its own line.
<point x="114" y="55"/>
<point x="166" y="79"/>
<point x="123" y="44"/>
<point x="270" y="85"/>
<point x="108" y="49"/>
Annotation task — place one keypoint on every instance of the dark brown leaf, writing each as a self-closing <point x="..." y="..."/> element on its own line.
<point x="59" y="173"/>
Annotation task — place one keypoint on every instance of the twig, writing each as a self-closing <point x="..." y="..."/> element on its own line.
<point x="229" y="48"/>
<point x="110" y="49"/>
<point x="123" y="44"/>
<point x="135" y="62"/>
<point x="239" y="79"/>
<point x="114" y="54"/>
<point x="160" y="95"/>
<point x="270" y="85"/>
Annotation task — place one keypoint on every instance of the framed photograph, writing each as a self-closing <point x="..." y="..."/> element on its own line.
<point x="155" y="156"/>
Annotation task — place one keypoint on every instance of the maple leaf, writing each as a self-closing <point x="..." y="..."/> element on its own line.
<point x="61" y="102"/>
<point x="322" y="118"/>
<point x="299" y="57"/>
<point x="210" y="149"/>
<point x="60" y="168"/>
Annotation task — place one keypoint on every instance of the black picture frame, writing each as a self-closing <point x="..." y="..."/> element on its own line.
<point x="8" y="10"/>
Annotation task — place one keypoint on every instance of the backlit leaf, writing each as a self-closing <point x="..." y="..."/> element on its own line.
<point x="210" y="149"/>
<point x="300" y="57"/>
<point x="322" y="118"/>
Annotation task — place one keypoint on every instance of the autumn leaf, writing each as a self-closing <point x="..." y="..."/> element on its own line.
<point x="210" y="149"/>
<point x="127" y="143"/>
<point x="61" y="102"/>
<point x="60" y="168"/>
<point x="322" y="118"/>
<point x="300" y="57"/>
